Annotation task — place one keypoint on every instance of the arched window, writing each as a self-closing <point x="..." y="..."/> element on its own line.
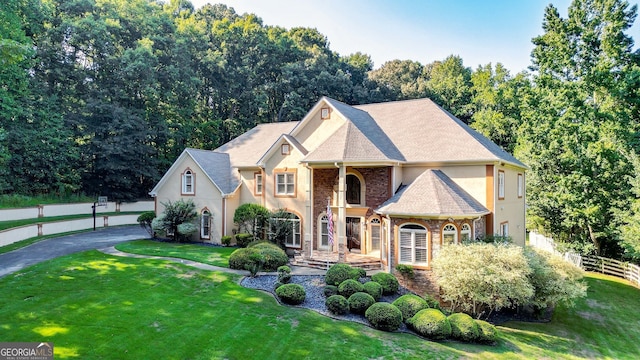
<point x="323" y="232"/>
<point x="413" y="245"/>
<point x="465" y="233"/>
<point x="205" y="224"/>
<point x="376" y="234"/>
<point x="188" y="183"/>
<point x="449" y="234"/>
<point x="353" y="190"/>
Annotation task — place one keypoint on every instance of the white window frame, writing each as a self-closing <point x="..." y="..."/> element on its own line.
<point x="504" y="228"/>
<point x="323" y="231"/>
<point x="450" y="229"/>
<point x="188" y="180"/>
<point x="285" y="149"/>
<point x="520" y="185"/>
<point x="288" y="181"/>
<point x="465" y="229"/>
<point x="373" y="223"/>
<point x="257" y="178"/>
<point x="501" y="182"/>
<point x="205" y="223"/>
<point x="413" y="246"/>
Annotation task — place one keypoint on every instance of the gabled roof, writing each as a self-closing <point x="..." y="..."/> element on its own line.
<point x="273" y="148"/>
<point x="432" y="194"/>
<point x="215" y="165"/>
<point x="247" y="149"/>
<point x="359" y="139"/>
<point x="426" y="133"/>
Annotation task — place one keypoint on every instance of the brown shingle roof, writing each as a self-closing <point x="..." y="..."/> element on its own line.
<point x="432" y="194"/>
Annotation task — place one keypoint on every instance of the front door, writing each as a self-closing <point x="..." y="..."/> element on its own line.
<point x="353" y="233"/>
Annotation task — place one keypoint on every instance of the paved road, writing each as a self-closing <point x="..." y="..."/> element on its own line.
<point x="52" y="248"/>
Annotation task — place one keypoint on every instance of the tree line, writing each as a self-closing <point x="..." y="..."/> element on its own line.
<point x="100" y="97"/>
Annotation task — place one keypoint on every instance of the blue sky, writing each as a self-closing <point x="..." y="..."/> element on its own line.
<point x="479" y="31"/>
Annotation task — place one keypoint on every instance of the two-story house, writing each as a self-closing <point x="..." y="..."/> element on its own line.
<point x="402" y="179"/>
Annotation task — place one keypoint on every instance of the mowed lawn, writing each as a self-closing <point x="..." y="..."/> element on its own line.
<point x="212" y="255"/>
<point x="92" y="305"/>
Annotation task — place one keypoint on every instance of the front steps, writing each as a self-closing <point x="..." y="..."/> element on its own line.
<point x="325" y="262"/>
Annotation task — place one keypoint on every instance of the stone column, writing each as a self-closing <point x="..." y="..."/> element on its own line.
<point x="341" y="223"/>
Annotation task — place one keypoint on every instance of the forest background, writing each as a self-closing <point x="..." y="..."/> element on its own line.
<point x="99" y="97"/>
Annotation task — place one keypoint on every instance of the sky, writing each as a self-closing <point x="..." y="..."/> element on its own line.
<point x="479" y="31"/>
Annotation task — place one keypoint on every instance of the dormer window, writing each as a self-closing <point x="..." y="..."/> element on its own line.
<point x="325" y="113"/>
<point x="285" y="149"/>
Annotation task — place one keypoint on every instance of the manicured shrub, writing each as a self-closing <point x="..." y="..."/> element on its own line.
<point x="554" y="280"/>
<point x="272" y="257"/>
<point x="373" y="288"/>
<point x="284" y="274"/>
<point x="464" y="271"/>
<point x="431" y="323"/>
<point x="361" y="273"/>
<point x="431" y="301"/>
<point x="341" y="272"/>
<point x="406" y="271"/>
<point x="409" y="305"/>
<point x="389" y="282"/>
<point x="242" y="240"/>
<point x="463" y="327"/>
<point x="384" y="316"/>
<point x="337" y="304"/>
<point x="330" y="290"/>
<point x="360" y="302"/>
<point x="226" y="240"/>
<point x="293" y="294"/>
<point x="487" y="333"/>
<point x="277" y="285"/>
<point x="350" y="287"/>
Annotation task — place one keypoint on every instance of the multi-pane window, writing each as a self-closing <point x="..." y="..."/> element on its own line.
<point x="205" y="225"/>
<point x="285" y="184"/>
<point x="413" y="245"/>
<point x="504" y="229"/>
<point x="258" y="183"/>
<point x="324" y="231"/>
<point x="500" y="184"/>
<point x="465" y="233"/>
<point x="188" y="182"/>
<point x="376" y="232"/>
<point x="449" y="234"/>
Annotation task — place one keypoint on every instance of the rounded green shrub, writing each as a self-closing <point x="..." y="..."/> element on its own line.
<point x="463" y="327"/>
<point x="242" y="240"/>
<point x="389" y="282"/>
<point x="487" y="333"/>
<point x="409" y="305"/>
<point x="339" y="273"/>
<point x="431" y="323"/>
<point x="431" y="301"/>
<point x="350" y="287"/>
<point x="292" y="294"/>
<point x="330" y="290"/>
<point x="374" y="289"/>
<point x="337" y="304"/>
<point x="360" y="302"/>
<point x="241" y="257"/>
<point x="284" y="269"/>
<point x="284" y="274"/>
<point x="277" y="285"/>
<point x="226" y="240"/>
<point x="273" y="257"/>
<point x="360" y="273"/>
<point x="384" y="316"/>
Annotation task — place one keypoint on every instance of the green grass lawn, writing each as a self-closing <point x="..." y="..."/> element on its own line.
<point x="92" y="305"/>
<point x="217" y="256"/>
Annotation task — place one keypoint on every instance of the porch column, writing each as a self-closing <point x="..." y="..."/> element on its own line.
<point x="308" y="225"/>
<point x="340" y="224"/>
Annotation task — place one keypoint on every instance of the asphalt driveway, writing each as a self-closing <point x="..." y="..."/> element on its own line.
<point x="52" y="248"/>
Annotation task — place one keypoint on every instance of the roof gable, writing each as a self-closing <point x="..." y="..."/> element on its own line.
<point x="217" y="167"/>
<point x="433" y="194"/>
<point x="284" y="138"/>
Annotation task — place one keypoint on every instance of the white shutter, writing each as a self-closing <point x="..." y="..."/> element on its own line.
<point x="405" y="246"/>
<point x="421" y="246"/>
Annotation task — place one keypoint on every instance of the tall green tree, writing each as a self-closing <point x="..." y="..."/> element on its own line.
<point x="579" y="123"/>
<point x="449" y="85"/>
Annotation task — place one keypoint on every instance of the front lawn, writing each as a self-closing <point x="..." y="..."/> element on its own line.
<point x="92" y="305"/>
<point x="212" y="255"/>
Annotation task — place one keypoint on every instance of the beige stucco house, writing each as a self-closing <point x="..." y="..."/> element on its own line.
<point x="402" y="179"/>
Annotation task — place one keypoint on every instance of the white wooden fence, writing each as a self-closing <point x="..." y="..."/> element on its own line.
<point x="72" y="209"/>
<point x="599" y="264"/>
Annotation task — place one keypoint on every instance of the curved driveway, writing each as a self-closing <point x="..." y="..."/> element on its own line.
<point x="52" y="248"/>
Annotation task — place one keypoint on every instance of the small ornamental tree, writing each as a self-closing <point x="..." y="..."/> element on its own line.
<point x="251" y="219"/>
<point x="280" y="227"/>
<point x="145" y="219"/>
<point x="177" y="213"/>
<point x="481" y="278"/>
